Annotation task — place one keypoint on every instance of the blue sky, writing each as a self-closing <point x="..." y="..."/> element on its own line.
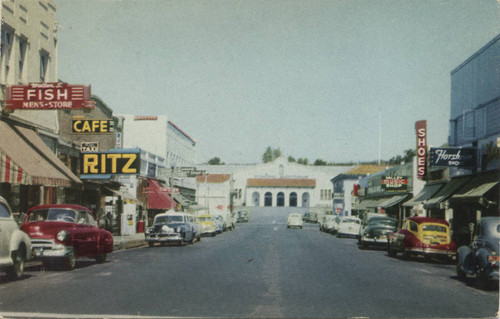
<point x="308" y="77"/>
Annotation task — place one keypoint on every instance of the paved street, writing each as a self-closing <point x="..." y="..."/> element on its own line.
<point x="261" y="269"/>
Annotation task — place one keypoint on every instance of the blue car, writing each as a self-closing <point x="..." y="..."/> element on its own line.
<point x="170" y="227"/>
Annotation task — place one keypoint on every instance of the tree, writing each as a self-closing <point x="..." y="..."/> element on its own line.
<point x="319" y="162"/>
<point x="303" y="161"/>
<point x="291" y="159"/>
<point x="215" y="161"/>
<point x="271" y="154"/>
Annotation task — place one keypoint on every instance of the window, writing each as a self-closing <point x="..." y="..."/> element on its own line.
<point x="23" y="44"/>
<point x="6" y="48"/>
<point x="4" y="212"/>
<point x="44" y="63"/>
<point x="413" y="227"/>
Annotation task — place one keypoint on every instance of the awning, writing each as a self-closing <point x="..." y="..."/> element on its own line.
<point x="158" y="199"/>
<point x="124" y="195"/>
<point x="179" y="198"/>
<point x="26" y="159"/>
<point x="393" y="200"/>
<point x="476" y="189"/>
<point x="426" y="193"/>
<point x="370" y="203"/>
<point x="449" y="189"/>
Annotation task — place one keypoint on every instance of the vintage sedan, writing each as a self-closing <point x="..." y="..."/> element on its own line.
<point x="349" y="227"/>
<point x="294" y="220"/>
<point x="208" y="225"/>
<point x="219" y="222"/>
<point x="310" y="217"/>
<point x="62" y="233"/>
<point x="481" y="259"/>
<point x="242" y="216"/>
<point x="422" y="236"/>
<point x="170" y="227"/>
<point x="377" y="231"/>
<point x="15" y="245"/>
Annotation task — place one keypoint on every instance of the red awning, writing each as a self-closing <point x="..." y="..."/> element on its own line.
<point x="158" y="199"/>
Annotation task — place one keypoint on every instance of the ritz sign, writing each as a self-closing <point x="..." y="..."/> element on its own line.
<point x="48" y="96"/>
<point x="113" y="162"/>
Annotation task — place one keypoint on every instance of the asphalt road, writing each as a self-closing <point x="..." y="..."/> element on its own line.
<point x="261" y="269"/>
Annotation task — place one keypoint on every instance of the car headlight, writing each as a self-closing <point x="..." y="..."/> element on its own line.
<point x="165" y="228"/>
<point x="178" y="229"/>
<point x="63" y="235"/>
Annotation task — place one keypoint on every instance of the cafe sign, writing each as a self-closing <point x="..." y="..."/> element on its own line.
<point x="390" y="183"/>
<point x="48" y="96"/>
<point x="453" y="157"/>
<point x="81" y="125"/>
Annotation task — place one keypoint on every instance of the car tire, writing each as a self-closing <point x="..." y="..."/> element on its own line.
<point x="151" y="244"/>
<point x="100" y="259"/>
<point x="16" y="271"/>
<point x="69" y="262"/>
<point x="461" y="275"/>
<point x="391" y="252"/>
<point x="406" y="254"/>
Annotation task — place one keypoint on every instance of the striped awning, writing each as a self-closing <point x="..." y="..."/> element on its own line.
<point x="25" y="159"/>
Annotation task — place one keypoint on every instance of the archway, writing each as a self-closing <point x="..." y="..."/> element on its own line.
<point x="256" y="199"/>
<point x="293" y="199"/>
<point x="305" y="200"/>
<point x="268" y="199"/>
<point x="280" y="199"/>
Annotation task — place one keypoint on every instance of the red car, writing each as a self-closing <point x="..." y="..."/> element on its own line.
<point x="424" y="236"/>
<point x="62" y="233"/>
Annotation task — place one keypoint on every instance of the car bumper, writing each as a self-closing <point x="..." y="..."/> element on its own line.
<point x="163" y="238"/>
<point x="431" y="252"/>
<point x="52" y="250"/>
<point x="375" y="241"/>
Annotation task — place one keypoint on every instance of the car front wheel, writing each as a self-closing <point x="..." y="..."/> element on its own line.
<point x="101" y="258"/>
<point x="460" y="273"/>
<point x="69" y="262"/>
<point x="16" y="271"/>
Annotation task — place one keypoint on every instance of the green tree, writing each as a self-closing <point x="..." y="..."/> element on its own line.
<point x="303" y="161"/>
<point x="215" y="161"/>
<point x="271" y="154"/>
<point x="319" y="162"/>
<point x="292" y="159"/>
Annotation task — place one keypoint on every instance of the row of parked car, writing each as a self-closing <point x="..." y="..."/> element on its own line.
<point x="58" y="235"/>
<point x="423" y="237"/>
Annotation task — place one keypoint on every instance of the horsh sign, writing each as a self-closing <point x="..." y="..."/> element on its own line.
<point x="48" y="96"/>
<point x="114" y="162"/>
<point x="454" y="157"/>
<point x="421" y="129"/>
<point x="398" y="183"/>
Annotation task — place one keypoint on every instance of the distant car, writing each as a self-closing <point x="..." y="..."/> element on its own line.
<point x="349" y="227"/>
<point x="327" y="224"/>
<point x="335" y="224"/>
<point x="170" y="227"/>
<point x="294" y="220"/>
<point x="481" y="258"/>
<point x="61" y="233"/>
<point x="242" y="216"/>
<point x="377" y="231"/>
<point x="195" y="226"/>
<point x="208" y="226"/>
<point x="424" y="236"/>
<point x="219" y="222"/>
<point x="15" y="245"/>
<point x="310" y="217"/>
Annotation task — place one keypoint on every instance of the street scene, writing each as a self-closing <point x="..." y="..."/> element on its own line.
<point x="235" y="159"/>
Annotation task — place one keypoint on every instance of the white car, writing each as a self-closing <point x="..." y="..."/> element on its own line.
<point x="349" y="227"/>
<point x="328" y="223"/>
<point x="15" y="245"/>
<point x="294" y="220"/>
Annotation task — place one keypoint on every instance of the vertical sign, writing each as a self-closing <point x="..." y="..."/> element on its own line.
<point x="421" y="129"/>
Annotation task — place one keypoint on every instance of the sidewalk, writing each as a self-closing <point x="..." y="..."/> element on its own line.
<point x="128" y="241"/>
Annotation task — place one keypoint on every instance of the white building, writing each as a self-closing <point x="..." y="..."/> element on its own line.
<point x="280" y="183"/>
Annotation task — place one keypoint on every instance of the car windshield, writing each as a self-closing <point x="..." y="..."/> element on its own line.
<point x="436" y="228"/>
<point x="243" y="213"/>
<point x="168" y="219"/>
<point x="53" y="214"/>
<point x="349" y="220"/>
<point x="382" y="222"/>
<point x="205" y="219"/>
<point x="294" y="216"/>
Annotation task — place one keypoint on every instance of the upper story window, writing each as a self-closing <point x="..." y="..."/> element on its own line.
<point x="7" y="40"/>
<point x="44" y="63"/>
<point x="23" y="44"/>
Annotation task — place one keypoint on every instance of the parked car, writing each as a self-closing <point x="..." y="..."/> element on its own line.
<point x="242" y="216"/>
<point x="219" y="222"/>
<point x="377" y="231"/>
<point x="208" y="226"/>
<point x="61" y="233"/>
<point x="423" y="236"/>
<point x="327" y="223"/>
<point x="15" y="245"/>
<point x="195" y="225"/>
<point x="349" y="227"/>
<point x="229" y="221"/>
<point x="294" y="220"/>
<point x="481" y="258"/>
<point x="310" y="217"/>
<point x="170" y="227"/>
<point x="335" y="224"/>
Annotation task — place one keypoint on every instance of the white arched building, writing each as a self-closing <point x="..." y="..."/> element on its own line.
<point x="280" y="183"/>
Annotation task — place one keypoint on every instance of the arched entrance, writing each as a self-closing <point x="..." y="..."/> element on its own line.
<point x="256" y="198"/>
<point x="280" y="199"/>
<point x="293" y="199"/>
<point x="305" y="200"/>
<point x="268" y="199"/>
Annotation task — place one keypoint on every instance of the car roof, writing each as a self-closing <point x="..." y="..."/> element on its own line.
<point x="71" y="206"/>
<point x="421" y="220"/>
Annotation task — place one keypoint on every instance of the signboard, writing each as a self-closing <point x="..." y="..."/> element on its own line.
<point x="398" y="183"/>
<point x="164" y="190"/>
<point x="421" y="129"/>
<point x="455" y="157"/>
<point x="48" y="96"/>
<point x="113" y="162"/>
<point x="86" y="147"/>
<point x="91" y="126"/>
<point x="118" y="139"/>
